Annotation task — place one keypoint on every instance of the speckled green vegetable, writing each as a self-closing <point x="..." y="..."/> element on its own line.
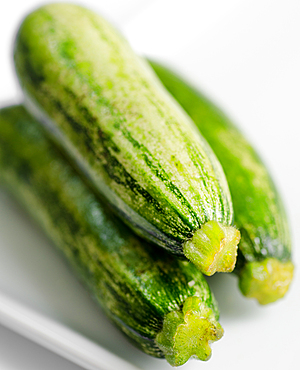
<point x="264" y="260"/>
<point x="139" y="288"/>
<point x="127" y="134"/>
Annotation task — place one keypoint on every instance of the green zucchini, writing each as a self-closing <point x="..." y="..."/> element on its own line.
<point x="161" y="303"/>
<point x="264" y="262"/>
<point x="126" y="133"/>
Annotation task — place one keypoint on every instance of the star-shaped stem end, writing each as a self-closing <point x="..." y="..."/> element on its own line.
<point x="188" y="333"/>
<point x="213" y="248"/>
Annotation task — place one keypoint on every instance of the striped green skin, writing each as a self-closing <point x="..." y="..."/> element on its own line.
<point x="115" y="119"/>
<point x="134" y="284"/>
<point x="258" y="209"/>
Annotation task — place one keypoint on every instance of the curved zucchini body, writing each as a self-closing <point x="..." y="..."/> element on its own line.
<point x="158" y="301"/>
<point x="126" y="133"/>
<point x="264" y="259"/>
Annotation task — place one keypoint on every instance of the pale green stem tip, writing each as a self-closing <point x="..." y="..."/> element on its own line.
<point x="213" y="248"/>
<point x="266" y="280"/>
<point x="189" y="333"/>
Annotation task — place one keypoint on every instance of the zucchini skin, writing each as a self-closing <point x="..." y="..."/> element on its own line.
<point x="135" y="285"/>
<point x="258" y="208"/>
<point x="126" y="133"/>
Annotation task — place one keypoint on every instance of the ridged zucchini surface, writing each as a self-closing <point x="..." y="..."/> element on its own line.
<point x="162" y="304"/>
<point x="138" y="147"/>
<point x="264" y="259"/>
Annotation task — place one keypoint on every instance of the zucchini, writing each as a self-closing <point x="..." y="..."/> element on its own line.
<point x="161" y="303"/>
<point x="125" y="132"/>
<point x="264" y="263"/>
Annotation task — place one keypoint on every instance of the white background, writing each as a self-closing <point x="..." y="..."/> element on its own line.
<point x="245" y="55"/>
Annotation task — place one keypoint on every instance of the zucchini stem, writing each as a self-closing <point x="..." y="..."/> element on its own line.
<point x="266" y="280"/>
<point x="189" y="332"/>
<point x="213" y="248"/>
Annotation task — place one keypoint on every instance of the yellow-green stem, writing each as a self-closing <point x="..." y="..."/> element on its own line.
<point x="213" y="248"/>
<point x="266" y="280"/>
<point x="189" y="332"/>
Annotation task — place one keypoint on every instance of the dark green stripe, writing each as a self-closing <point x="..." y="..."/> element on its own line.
<point x="135" y="283"/>
<point x="130" y="110"/>
<point x="258" y="209"/>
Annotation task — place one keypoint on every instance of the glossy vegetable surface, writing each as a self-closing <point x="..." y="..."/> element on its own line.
<point x="127" y="134"/>
<point x="162" y="304"/>
<point x="264" y="260"/>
